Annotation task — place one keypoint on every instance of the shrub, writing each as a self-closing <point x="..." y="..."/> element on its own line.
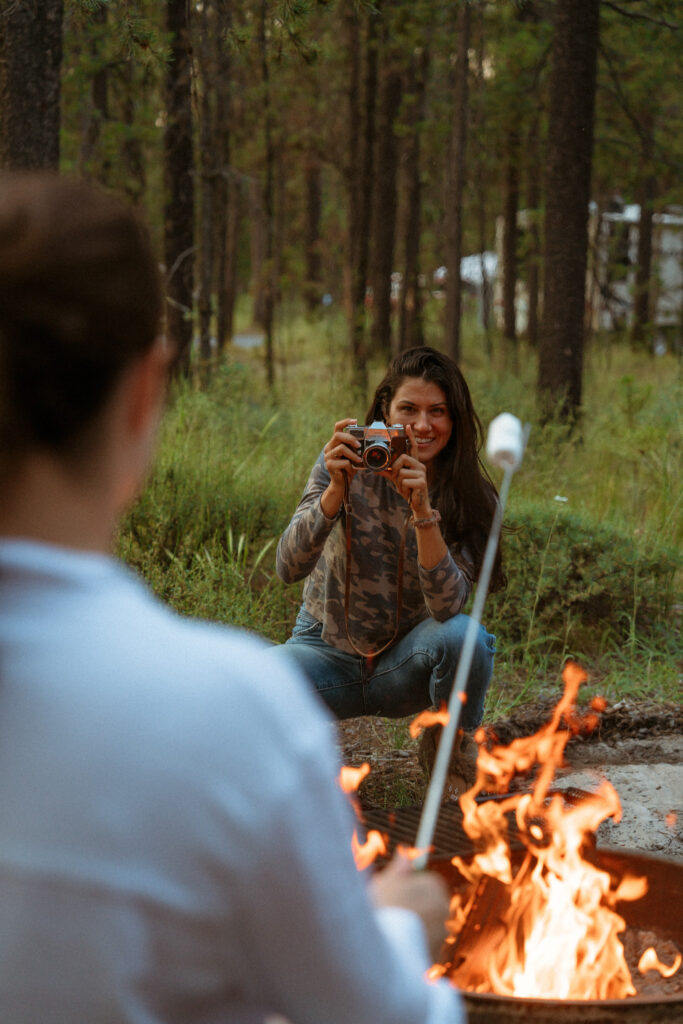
<point x="576" y="585"/>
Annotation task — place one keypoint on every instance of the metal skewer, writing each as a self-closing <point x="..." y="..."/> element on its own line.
<point x="505" y="447"/>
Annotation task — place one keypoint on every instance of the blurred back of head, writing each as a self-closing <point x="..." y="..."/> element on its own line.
<point x="80" y="298"/>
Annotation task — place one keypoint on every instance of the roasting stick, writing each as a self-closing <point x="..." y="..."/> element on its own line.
<point x="505" y="447"/>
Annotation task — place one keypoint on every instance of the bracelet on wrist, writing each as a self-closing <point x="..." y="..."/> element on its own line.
<point x="430" y="520"/>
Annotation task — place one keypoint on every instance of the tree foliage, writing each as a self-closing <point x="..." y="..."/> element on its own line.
<point x="323" y="155"/>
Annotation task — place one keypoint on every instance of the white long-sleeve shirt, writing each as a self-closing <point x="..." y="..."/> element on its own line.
<point x="173" y="844"/>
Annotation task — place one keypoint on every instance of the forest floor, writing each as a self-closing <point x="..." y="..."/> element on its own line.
<point x="637" y="746"/>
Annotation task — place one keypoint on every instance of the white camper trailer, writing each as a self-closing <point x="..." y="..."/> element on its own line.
<point x="612" y="269"/>
<point x="611" y="274"/>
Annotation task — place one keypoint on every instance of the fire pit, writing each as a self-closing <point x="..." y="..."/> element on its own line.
<point x="542" y="924"/>
<point x="658" y="912"/>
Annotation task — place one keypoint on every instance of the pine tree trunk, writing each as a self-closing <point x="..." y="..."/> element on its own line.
<point x="235" y="203"/>
<point x="478" y="115"/>
<point x="179" y="177"/>
<point x="455" y="184"/>
<point x="312" y="284"/>
<point x="411" y="328"/>
<point x="384" y="209"/>
<point x="222" y="132"/>
<point x="206" y="198"/>
<point x="534" y="255"/>
<point x="352" y="169"/>
<point x="267" y="277"/>
<point x="30" y="62"/>
<point x="257" y="245"/>
<point x="570" y="149"/>
<point x="360" y="178"/>
<point x="510" y="209"/>
<point x="646" y="197"/>
<point x="131" y="150"/>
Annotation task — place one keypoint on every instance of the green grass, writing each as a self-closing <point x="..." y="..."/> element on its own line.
<point x="595" y="576"/>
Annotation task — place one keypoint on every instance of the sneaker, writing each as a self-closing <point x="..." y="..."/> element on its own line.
<point x="454" y="787"/>
<point x="462" y="770"/>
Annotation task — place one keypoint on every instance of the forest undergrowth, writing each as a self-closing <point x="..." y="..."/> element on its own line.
<point x="593" y="522"/>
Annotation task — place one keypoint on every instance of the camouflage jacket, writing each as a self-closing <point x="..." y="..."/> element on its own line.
<point x="314" y="547"/>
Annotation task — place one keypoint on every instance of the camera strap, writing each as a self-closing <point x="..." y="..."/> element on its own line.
<point x="347" y="580"/>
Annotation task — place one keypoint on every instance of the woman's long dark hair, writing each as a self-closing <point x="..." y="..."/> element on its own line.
<point x="461" y="488"/>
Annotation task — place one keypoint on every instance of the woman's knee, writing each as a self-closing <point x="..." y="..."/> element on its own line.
<point x="453" y="634"/>
<point x="455" y="630"/>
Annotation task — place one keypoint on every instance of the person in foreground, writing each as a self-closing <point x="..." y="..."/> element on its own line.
<point x="390" y="541"/>
<point x="173" y="843"/>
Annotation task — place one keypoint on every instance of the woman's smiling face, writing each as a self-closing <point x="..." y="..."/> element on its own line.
<point x="422" y="404"/>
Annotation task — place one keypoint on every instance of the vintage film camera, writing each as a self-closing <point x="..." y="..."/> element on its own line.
<point x="380" y="444"/>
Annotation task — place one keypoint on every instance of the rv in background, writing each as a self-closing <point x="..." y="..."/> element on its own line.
<point x="610" y="280"/>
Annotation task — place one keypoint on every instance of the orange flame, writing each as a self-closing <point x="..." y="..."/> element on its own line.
<point x="351" y="778"/>
<point x="427" y="718"/>
<point x="649" y="961"/>
<point x="552" y="928"/>
<point x="409" y="852"/>
<point x="375" y="844"/>
<point x="671" y="819"/>
<point x="365" y="853"/>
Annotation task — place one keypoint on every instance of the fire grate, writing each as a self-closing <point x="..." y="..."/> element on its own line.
<point x="400" y="825"/>
<point x="656" y="914"/>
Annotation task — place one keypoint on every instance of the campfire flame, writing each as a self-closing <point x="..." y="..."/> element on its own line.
<point x="428" y="718"/>
<point x="649" y="961"/>
<point x="366" y="853"/>
<point x="351" y="778"/>
<point x="551" y="929"/>
<point x="375" y="844"/>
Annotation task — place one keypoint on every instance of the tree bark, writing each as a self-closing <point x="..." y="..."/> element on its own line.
<point x="646" y="197"/>
<point x="478" y="115"/>
<point x="510" y="210"/>
<point x="235" y="202"/>
<point x="312" y="284"/>
<point x="257" y="248"/>
<point x="384" y="208"/>
<point x="224" y="192"/>
<point x="570" y="149"/>
<point x="131" y="149"/>
<point x="534" y="252"/>
<point x="30" y="62"/>
<point x="268" y="191"/>
<point x="360" y="178"/>
<point x="179" y="175"/>
<point x="207" y="195"/>
<point x="352" y="169"/>
<point x="455" y="184"/>
<point x="411" y="328"/>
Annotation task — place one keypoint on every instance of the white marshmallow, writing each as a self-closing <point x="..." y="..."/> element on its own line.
<point x="505" y="442"/>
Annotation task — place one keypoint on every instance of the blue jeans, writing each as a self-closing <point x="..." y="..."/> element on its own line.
<point x="417" y="672"/>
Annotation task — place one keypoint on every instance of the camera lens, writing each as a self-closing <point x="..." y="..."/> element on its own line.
<point x="377" y="455"/>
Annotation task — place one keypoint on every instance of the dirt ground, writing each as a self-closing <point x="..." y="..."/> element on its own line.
<point x="637" y="746"/>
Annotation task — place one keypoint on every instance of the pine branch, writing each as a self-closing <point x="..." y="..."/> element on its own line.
<point x="619" y="92"/>
<point x="639" y="16"/>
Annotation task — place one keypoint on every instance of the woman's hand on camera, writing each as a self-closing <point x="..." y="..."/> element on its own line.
<point x="409" y="476"/>
<point x="342" y="460"/>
